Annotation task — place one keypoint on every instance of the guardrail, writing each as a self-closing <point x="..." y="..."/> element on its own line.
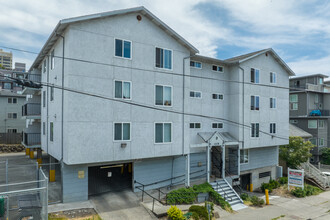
<point x="30" y="139"/>
<point x="316" y="174"/>
<point x="31" y="109"/>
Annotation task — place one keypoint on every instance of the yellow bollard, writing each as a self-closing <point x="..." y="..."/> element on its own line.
<point x="122" y="169"/>
<point x="39" y="160"/>
<point x="267" y="196"/>
<point x="251" y="187"/>
<point x="31" y="154"/>
<point x="51" y="175"/>
<point x="130" y="168"/>
<point x="27" y="151"/>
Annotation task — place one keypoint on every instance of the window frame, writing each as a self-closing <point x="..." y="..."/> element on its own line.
<point x="316" y="141"/>
<point x="254" y="76"/>
<point x="218" y="95"/>
<point x="163" y="68"/>
<point x="43" y="128"/>
<point x="122" y="81"/>
<point x="11" y="130"/>
<point x="51" y="131"/>
<point x="319" y="124"/>
<point x="44" y="98"/>
<point x="217" y="125"/>
<point x="52" y="93"/>
<point x="52" y="59"/>
<point x="122" y="131"/>
<point x="195" y="97"/>
<point x="255" y="134"/>
<point x="44" y="69"/>
<point x="194" y="123"/>
<point x="194" y="66"/>
<point x="272" y="104"/>
<point x="163" y="133"/>
<point x="163" y="95"/>
<point x="273" y="78"/>
<point x="248" y="156"/>
<point x="223" y="68"/>
<point x="308" y="125"/>
<point x="131" y="48"/>
<point x="319" y="142"/>
<point x="255" y="101"/>
<point x="272" y="128"/>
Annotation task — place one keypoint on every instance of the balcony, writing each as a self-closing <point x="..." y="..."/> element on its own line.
<point x="31" y="110"/>
<point x="33" y="77"/>
<point x="31" y="140"/>
<point x="317" y="112"/>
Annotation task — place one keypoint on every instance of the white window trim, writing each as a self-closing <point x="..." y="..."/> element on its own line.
<point x="248" y="150"/>
<point x="269" y="127"/>
<point x="223" y="68"/>
<point x="251" y="130"/>
<point x="275" y="77"/>
<point x="319" y="142"/>
<point x="312" y="120"/>
<point x="195" y="96"/>
<point x="255" y="102"/>
<point x="293" y="95"/>
<point x="318" y="124"/>
<point x="194" y="66"/>
<point x="195" y="125"/>
<point x="160" y="68"/>
<point x="12" y="115"/>
<point x="223" y="96"/>
<point x="122" y="127"/>
<point x="255" y="75"/>
<point x="163" y="132"/>
<point x="114" y="43"/>
<point x="217" y="125"/>
<point x="114" y="89"/>
<point x="167" y="106"/>
<point x="269" y="103"/>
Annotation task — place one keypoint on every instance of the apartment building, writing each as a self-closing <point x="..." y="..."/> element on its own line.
<point x="6" y="83"/>
<point x="310" y="109"/>
<point x="6" y="59"/>
<point x="139" y="106"/>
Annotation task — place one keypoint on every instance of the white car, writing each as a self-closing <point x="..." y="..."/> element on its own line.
<point x="326" y="173"/>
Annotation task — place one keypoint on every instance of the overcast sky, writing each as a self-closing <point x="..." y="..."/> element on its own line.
<point x="298" y="30"/>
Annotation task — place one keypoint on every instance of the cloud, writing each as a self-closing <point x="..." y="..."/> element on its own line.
<point x="310" y="66"/>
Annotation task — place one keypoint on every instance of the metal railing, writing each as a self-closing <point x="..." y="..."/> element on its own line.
<point x="31" y="139"/>
<point x="33" y="77"/>
<point x="316" y="174"/>
<point x="31" y="109"/>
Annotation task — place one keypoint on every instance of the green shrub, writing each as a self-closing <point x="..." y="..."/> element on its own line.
<point x="203" y="188"/>
<point x="273" y="184"/>
<point x="217" y="199"/>
<point x="175" y="213"/>
<point x="256" y="201"/>
<point x="307" y="191"/>
<point x="299" y="192"/>
<point x="245" y="196"/>
<point x="182" y="196"/>
<point x="283" y="180"/>
<point x="201" y="212"/>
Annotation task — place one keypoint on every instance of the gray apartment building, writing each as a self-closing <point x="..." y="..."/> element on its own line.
<point x="310" y="109"/>
<point x="140" y="106"/>
<point x="7" y="83"/>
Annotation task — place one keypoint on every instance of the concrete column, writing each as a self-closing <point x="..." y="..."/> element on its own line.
<point x="39" y="156"/>
<point x="51" y="169"/>
<point x="208" y="161"/>
<point x="188" y="170"/>
<point x="223" y="161"/>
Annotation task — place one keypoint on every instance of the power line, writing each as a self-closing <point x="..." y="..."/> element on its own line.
<point x="147" y="106"/>
<point x="149" y="70"/>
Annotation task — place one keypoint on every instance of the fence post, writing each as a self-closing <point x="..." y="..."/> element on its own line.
<point x="158" y="194"/>
<point x="153" y="204"/>
<point x="7" y="174"/>
<point x="142" y="192"/>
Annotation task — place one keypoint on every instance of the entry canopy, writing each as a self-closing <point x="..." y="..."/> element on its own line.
<point x="218" y="138"/>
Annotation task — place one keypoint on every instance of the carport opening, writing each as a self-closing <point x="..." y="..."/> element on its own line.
<point x="109" y="178"/>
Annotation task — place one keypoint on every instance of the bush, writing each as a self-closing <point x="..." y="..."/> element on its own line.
<point x="175" y="213"/>
<point x="257" y="201"/>
<point x="298" y="192"/>
<point x="307" y="191"/>
<point x="203" y="188"/>
<point x="182" y="196"/>
<point x="201" y="212"/>
<point x="217" y="199"/>
<point x="245" y="196"/>
<point x="273" y="184"/>
<point x="283" y="180"/>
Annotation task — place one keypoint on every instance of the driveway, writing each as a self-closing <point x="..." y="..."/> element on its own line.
<point x="313" y="207"/>
<point x="120" y="205"/>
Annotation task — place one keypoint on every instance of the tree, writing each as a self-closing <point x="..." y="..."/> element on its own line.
<point x="326" y="156"/>
<point x="1" y="67"/>
<point x="297" y="152"/>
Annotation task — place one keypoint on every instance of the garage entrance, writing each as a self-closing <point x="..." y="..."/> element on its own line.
<point x="109" y="178"/>
<point x="245" y="180"/>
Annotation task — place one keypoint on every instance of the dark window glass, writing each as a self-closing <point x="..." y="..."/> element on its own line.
<point x="159" y="57"/>
<point x="192" y="125"/>
<point x="127" y="49"/>
<point x="214" y="68"/>
<point x="118" y="89"/>
<point x="119" y="48"/>
<point x="159" y="95"/>
<point x="118" y="131"/>
<point x="252" y="75"/>
<point x="159" y="133"/>
<point x="14" y="100"/>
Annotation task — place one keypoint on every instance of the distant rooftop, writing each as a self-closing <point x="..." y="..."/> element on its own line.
<point x="298" y="132"/>
<point x="309" y="75"/>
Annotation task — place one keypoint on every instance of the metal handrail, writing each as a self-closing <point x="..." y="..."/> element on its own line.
<point x="224" y="192"/>
<point x="232" y="179"/>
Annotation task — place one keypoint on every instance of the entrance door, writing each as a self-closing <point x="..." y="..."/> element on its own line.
<point x="245" y="180"/>
<point x="109" y="178"/>
<point x="216" y="158"/>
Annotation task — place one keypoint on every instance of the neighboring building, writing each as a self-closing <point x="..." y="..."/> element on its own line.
<point x="310" y="109"/>
<point x="11" y="114"/>
<point x="298" y="132"/>
<point x="139" y="61"/>
<point x="6" y="59"/>
<point x="20" y="67"/>
<point x="8" y="83"/>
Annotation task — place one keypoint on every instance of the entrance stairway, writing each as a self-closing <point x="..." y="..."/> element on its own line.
<point x="315" y="175"/>
<point x="228" y="193"/>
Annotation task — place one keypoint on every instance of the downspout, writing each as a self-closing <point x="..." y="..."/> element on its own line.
<point x="238" y="155"/>
<point x="47" y="94"/>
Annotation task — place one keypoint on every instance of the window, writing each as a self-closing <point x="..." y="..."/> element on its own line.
<point x="321" y="142"/>
<point x="254" y="75"/>
<point x="264" y="174"/>
<point x="195" y="64"/>
<point x="51" y="131"/>
<point x="217" y="68"/>
<point x="7" y="86"/>
<point x="272" y="77"/>
<point x="122" y="90"/>
<point x="52" y="93"/>
<point x="313" y="141"/>
<point x="163" y="58"/>
<point x="44" y="66"/>
<point x="44" y="98"/>
<point x="321" y="123"/>
<point x="312" y="123"/>
<point x="52" y="59"/>
<point x="294" y="102"/>
<point x="272" y="102"/>
<point x="123" y="48"/>
<point x="12" y="131"/>
<point x="14" y="100"/>
<point x="195" y="125"/>
<point x="194" y="94"/>
<point x="163" y="95"/>
<point x="272" y="128"/>
<point x="254" y="129"/>
<point x="217" y="125"/>
<point x="122" y="131"/>
<point x="12" y="115"/>
<point x="294" y="121"/>
<point x="10" y="100"/>
<point x="316" y="99"/>
<point x="320" y="80"/>
<point x="163" y="133"/>
<point x="217" y="96"/>
<point x="244" y="156"/>
<point x="44" y="128"/>
<point x="254" y="102"/>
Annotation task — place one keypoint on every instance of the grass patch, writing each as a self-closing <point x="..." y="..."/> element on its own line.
<point x="281" y="216"/>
